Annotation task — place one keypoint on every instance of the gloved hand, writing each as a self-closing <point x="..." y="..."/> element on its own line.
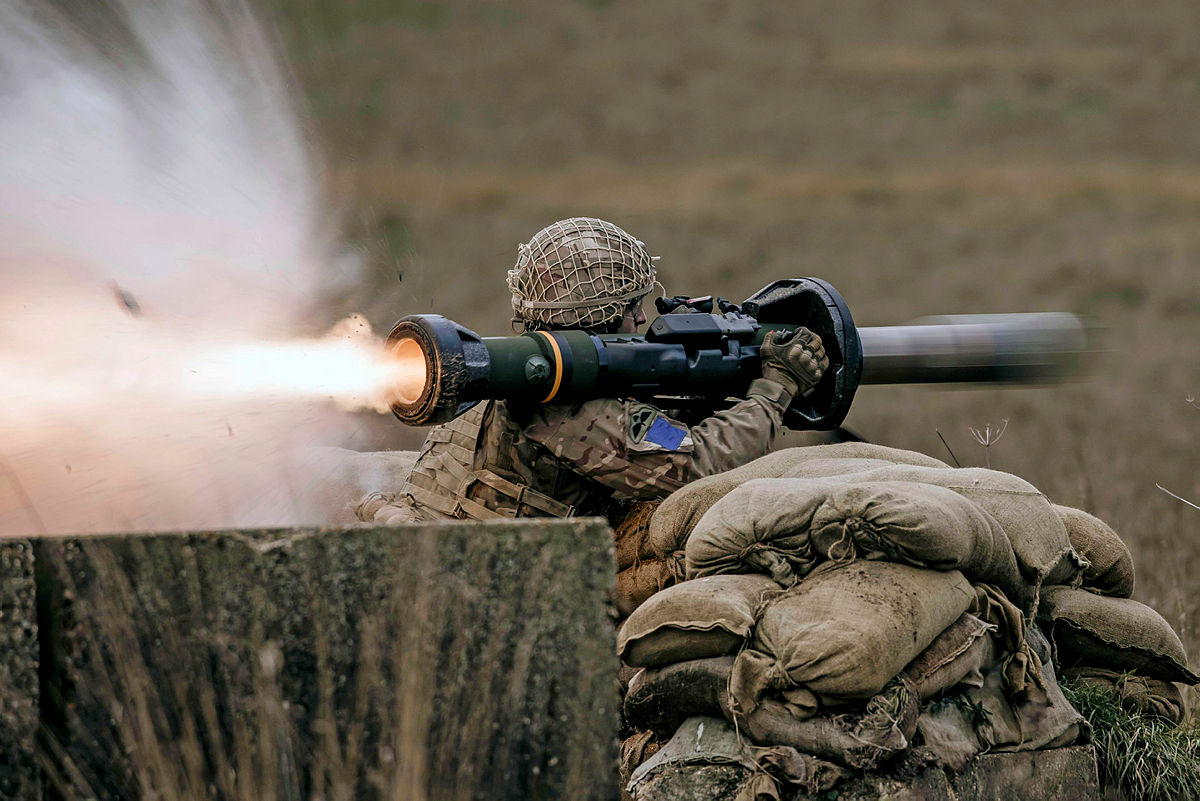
<point x="795" y="360"/>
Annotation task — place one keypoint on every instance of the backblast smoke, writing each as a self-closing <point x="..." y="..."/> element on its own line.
<point x="160" y="244"/>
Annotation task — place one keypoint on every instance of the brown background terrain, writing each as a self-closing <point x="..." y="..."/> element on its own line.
<point x="925" y="157"/>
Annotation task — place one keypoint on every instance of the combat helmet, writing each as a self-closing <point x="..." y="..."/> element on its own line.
<point x="579" y="273"/>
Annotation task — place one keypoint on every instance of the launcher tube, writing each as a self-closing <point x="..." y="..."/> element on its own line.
<point x="715" y="357"/>
<point x="974" y="348"/>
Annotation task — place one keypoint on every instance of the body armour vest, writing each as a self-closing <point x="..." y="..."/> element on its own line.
<point x="480" y="466"/>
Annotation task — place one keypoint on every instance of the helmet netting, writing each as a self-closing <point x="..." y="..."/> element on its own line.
<point x="579" y="273"/>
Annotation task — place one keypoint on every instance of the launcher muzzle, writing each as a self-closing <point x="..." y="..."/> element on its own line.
<point x="712" y="357"/>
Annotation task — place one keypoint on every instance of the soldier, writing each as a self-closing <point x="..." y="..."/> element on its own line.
<point x="507" y="460"/>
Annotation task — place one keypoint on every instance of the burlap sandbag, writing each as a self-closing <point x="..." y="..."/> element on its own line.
<point x="659" y="699"/>
<point x="674" y="520"/>
<point x="637" y="583"/>
<point x="635" y="749"/>
<point x="1035" y="531"/>
<point x="990" y="718"/>
<point x="693" y="620"/>
<point x="1110" y="571"/>
<point x="760" y="527"/>
<point x="860" y="739"/>
<point x="1037" y="534"/>
<point x="630" y="534"/>
<point x="958" y="655"/>
<point x="1136" y="693"/>
<point x="1018" y="660"/>
<point x="785" y="526"/>
<point x="1091" y="630"/>
<point x="846" y="630"/>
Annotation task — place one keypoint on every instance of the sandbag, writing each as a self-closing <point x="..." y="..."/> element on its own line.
<point x="1037" y="534"/>
<point x="630" y="531"/>
<point x="659" y="699"/>
<point x="1110" y="569"/>
<point x="1034" y="529"/>
<point x="693" y="620"/>
<point x="858" y="740"/>
<point x="637" y="583"/>
<point x="785" y="526"/>
<point x="636" y="749"/>
<point x="1020" y="662"/>
<point x="989" y="718"/>
<point x="922" y="525"/>
<point x="846" y="630"/>
<point x="1139" y="694"/>
<point x="1090" y="630"/>
<point x="760" y="527"/>
<point x="678" y="514"/>
<point x="958" y="655"/>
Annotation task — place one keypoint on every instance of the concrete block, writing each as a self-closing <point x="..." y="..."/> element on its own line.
<point x="694" y="783"/>
<point x="932" y="785"/>
<point x="19" y="697"/>
<point x="1050" y="775"/>
<point x="447" y="661"/>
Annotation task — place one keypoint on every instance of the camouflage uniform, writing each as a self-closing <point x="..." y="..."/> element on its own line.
<point x="498" y="460"/>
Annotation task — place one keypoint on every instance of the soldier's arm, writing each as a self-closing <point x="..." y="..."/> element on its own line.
<point x="639" y="452"/>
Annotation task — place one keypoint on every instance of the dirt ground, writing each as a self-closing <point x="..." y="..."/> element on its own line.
<point x="925" y="157"/>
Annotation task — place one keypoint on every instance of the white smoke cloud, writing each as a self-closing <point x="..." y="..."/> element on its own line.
<point x="161" y="229"/>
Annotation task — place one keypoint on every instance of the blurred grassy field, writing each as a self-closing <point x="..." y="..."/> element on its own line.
<point x="925" y="157"/>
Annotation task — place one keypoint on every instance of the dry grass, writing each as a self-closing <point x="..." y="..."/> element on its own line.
<point x="327" y="666"/>
<point x="184" y="712"/>
<point x="1143" y="756"/>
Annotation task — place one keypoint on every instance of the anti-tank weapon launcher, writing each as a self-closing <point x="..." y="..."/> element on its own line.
<point x="708" y="350"/>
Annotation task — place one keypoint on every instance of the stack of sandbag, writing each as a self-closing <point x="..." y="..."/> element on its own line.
<point x="1013" y="508"/>
<point x="858" y="604"/>
<point x="837" y="666"/>
<point x="1104" y="638"/>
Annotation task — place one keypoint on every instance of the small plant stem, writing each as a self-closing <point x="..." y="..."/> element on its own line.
<point x="1176" y="497"/>
<point x="947" y="444"/>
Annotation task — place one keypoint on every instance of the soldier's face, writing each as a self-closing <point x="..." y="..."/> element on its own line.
<point x="634" y="318"/>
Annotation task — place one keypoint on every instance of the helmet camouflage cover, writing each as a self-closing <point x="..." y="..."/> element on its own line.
<point x="578" y="273"/>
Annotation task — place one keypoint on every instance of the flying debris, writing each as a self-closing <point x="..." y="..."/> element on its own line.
<point x="126" y="299"/>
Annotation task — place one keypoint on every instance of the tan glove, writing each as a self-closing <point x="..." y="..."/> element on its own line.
<point x="795" y="360"/>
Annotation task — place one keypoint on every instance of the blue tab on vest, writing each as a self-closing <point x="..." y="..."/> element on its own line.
<point x="664" y="434"/>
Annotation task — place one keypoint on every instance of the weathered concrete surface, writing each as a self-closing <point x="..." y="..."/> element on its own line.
<point x="19" y="778"/>
<point x="932" y="785"/>
<point x="1052" y="775"/>
<point x="445" y="661"/>
<point x="694" y="783"/>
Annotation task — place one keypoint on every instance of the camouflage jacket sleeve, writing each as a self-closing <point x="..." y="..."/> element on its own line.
<point x="639" y="452"/>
